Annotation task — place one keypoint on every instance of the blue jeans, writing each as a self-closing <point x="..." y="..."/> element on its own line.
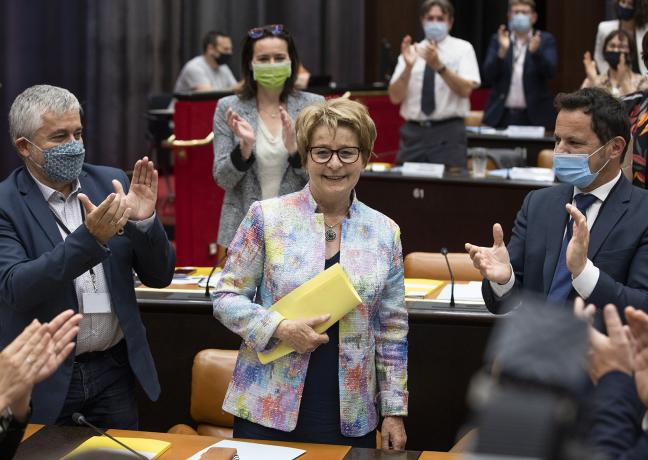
<point x="103" y="390"/>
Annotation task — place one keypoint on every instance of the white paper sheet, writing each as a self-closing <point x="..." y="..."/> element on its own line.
<point x="467" y="293"/>
<point x="252" y="451"/>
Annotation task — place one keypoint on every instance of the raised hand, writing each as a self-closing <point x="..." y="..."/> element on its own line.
<point x="142" y="194"/>
<point x="638" y="325"/>
<point x="590" y="67"/>
<point x="504" y="40"/>
<point x="431" y="55"/>
<point x="300" y="335"/>
<point x="105" y="220"/>
<point x="493" y="263"/>
<point x="288" y="131"/>
<point x="63" y="329"/>
<point x="534" y="43"/>
<point x="612" y="352"/>
<point x="576" y="256"/>
<point x="242" y="130"/>
<point x="408" y="51"/>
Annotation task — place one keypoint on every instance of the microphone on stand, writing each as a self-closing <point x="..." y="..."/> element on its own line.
<point x="79" y="419"/>
<point x="444" y="251"/>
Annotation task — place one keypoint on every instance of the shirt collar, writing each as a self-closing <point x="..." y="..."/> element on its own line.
<point x="602" y="191"/>
<point x="48" y="192"/>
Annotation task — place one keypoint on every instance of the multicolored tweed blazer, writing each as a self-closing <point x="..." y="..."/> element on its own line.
<point x="279" y="246"/>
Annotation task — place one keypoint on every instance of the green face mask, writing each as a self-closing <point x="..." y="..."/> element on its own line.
<point x="271" y="76"/>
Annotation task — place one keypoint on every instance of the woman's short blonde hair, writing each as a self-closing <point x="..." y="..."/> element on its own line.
<point x="333" y="113"/>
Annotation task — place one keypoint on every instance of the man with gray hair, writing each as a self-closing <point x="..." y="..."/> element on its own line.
<point x="71" y="235"/>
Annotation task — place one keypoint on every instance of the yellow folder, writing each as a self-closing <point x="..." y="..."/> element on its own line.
<point x="151" y="448"/>
<point x="330" y="292"/>
<point x="419" y="287"/>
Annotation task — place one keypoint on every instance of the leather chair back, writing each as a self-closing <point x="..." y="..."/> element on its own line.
<point x="432" y="265"/>
<point x="211" y="375"/>
<point x="545" y="158"/>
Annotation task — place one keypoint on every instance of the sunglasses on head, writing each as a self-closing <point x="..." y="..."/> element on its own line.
<point x="258" y="32"/>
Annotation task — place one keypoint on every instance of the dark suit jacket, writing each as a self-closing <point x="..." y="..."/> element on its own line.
<point x="618" y="411"/>
<point x="618" y="245"/>
<point x="37" y="269"/>
<point x="539" y="68"/>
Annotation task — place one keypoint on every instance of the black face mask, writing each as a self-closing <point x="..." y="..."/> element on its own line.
<point x="623" y="13"/>
<point x="614" y="57"/>
<point x="224" y="59"/>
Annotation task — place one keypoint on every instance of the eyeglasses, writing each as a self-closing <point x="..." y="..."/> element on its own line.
<point x="322" y="155"/>
<point x="273" y="29"/>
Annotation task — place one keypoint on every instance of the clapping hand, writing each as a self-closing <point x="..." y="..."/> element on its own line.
<point x="431" y="56"/>
<point x="142" y="193"/>
<point x="288" y="131"/>
<point x="493" y="263"/>
<point x="607" y="353"/>
<point x="408" y="51"/>
<point x="638" y="324"/>
<point x="105" y="220"/>
<point x="242" y="130"/>
<point x="590" y="67"/>
<point x="576" y="257"/>
<point x="504" y="40"/>
<point x="534" y="43"/>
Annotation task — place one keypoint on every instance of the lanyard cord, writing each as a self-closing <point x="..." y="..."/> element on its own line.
<point x="67" y="231"/>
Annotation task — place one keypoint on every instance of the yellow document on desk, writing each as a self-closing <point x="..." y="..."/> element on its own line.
<point x="330" y="292"/>
<point x="421" y="288"/>
<point x="150" y="448"/>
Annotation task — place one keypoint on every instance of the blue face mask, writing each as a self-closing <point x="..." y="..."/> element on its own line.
<point x="435" y="31"/>
<point x="520" y="22"/>
<point x="573" y="168"/>
<point x="63" y="163"/>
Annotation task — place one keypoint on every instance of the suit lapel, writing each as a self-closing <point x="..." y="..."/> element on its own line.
<point x="557" y="218"/>
<point x="38" y="207"/>
<point x="612" y="210"/>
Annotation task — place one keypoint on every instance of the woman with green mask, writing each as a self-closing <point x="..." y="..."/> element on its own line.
<point x="255" y="147"/>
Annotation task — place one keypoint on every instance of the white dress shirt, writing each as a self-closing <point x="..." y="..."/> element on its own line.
<point x="457" y="55"/>
<point x="584" y="283"/>
<point x="515" y="98"/>
<point x="97" y="331"/>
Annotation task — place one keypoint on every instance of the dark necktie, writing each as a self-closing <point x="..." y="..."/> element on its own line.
<point x="427" y="97"/>
<point x="562" y="280"/>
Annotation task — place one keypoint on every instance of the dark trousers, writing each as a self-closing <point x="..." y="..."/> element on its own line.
<point x="518" y="117"/>
<point x="441" y="142"/>
<point x="102" y="388"/>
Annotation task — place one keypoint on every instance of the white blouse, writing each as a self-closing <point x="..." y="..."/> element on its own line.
<point x="271" y="160"/>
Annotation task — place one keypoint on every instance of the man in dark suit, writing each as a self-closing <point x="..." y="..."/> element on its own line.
<point x="518" y="65"/>
<point x="618" y="366"/>
<point x="602" y="253"/>
<point x="58" y="251"/>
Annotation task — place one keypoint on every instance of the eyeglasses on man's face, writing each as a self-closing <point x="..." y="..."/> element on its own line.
<point x="258" y="32"/>
<point x="322" y="155"/>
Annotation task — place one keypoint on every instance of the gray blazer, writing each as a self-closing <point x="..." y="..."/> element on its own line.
<point x="239" y="180"/>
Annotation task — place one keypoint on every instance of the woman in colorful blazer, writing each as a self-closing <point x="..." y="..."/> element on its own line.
<point x="336" y="385"/>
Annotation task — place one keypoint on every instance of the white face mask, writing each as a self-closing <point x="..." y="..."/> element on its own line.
<point x="435" y="31"/>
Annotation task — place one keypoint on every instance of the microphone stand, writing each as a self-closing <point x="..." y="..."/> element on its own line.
<point x="444" y="251"/>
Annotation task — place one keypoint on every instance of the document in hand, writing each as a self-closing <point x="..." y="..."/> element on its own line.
<point x="330" y="292"/>
<point x="150" y="448"/>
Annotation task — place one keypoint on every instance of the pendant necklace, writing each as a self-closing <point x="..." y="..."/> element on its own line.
<point x="330" y="233"/>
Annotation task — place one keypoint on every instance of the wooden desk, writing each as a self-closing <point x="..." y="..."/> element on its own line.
<point x="445" y="350"/>
<point x="449" y="212"/>
<point x="55" y="441"/>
